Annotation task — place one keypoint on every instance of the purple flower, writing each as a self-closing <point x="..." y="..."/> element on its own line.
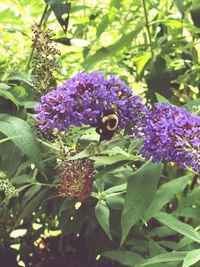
<point x="172" y="134"/>
<point x="84" y="98"/>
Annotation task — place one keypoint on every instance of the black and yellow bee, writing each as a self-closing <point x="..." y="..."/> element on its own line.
<point x="107" y="124"/>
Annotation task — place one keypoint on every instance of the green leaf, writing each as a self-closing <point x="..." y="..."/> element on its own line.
<point x="29" y="104"/>
<point x="32" y="205"/>
<point x="21" y="78"/>
<point x="191" y="258"/>
<point x="78" y="8"/>
<point x="180" y="6"/>
<point x="155" y="248"/>
<point x="193" y="107"/>
<point x="192" y="197"/>
<point x="4" y="86"/>
<point x="8" y="138"/>
<point x="21" y="179"/>
<point x="102" y="25"/>
<point x="188" y="212"/>
<point x="178" y="226"/>
<point x="141" y="184"/>
<point x="112" y="49"/>
<point x="141" y="61"/>
<point x="111" y="168"/>
<point x="160" y="98"/>
<point x="159" y="79"/>
<point x="184" y="242"/>
<point x="11" y="158"/>
<point x="165" y="193"/>
<point x="116" y="3"/>
<point x="20" y="90"/>
<point x="30" y="193"/>
<point x="13" y="126"/>
<point x="125" y="257"/>
<point x="115" y="201"/>
<point x="102" y="213"/>
<point x="61" y="9"/>
<point x="195" y="13"/>
<point x="116" y="188"/>
<point x="161" y="231"/>
<point x="109" y="160"/>
<point x="82" y="154"/>
<point x="9" y="96"/>
<point x="166" y="257"/>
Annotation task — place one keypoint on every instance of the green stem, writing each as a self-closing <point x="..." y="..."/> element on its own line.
<point x="40" y="24"/>
<point x="147" y="26"/>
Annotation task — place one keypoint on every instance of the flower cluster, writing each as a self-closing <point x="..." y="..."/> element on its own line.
<point x="172" y="134"/>
<point x="169" y="133"/>
<point x="82" y="99"/>
<point x="77" y="179"/>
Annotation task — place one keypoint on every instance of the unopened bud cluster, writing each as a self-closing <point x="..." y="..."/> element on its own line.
<point x="77" y="179"/>
<point x="44" y="62"/>
<point x="6" y="186"/>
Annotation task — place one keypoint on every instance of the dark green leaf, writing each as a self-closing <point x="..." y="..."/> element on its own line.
<point x="117" y="188"/>
<point x="180" y="6"/>
<point x="116" y="201"/>
<point x="102" y="213"/>
<point x="13" y="126"/>
<point x="9" y="96"/>
<point x="165" y="193"/>
<point x="141" y="184"/>
<point x="155" y="248"/>
<point x="62" y="9"/>
<point x="30" y="193"/>
<point x="188" y="212"/>
<point x="32" y="205"/>
<point x="125" y="257"/>
<point x="178" y="226"/>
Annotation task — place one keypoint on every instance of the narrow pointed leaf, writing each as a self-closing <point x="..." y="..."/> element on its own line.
<point x="165" y="193"/>
<point x="102" y="213"/>
<point x="180" y="227"/>
<point x="191" y="258"/>
<point x="127" y="258"/>
<point x="141" y="190"/>
<point x="166" y="257"/>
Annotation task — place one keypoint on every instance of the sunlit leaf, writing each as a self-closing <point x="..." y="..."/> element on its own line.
<point x="166" y="257"/>
<point x="191" y="258"/>
<point x="103" y="52"/>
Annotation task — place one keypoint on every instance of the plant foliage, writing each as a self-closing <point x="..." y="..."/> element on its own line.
<point x="137" y="213"/>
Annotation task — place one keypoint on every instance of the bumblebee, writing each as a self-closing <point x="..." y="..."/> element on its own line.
<point x="107" y="124"/>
